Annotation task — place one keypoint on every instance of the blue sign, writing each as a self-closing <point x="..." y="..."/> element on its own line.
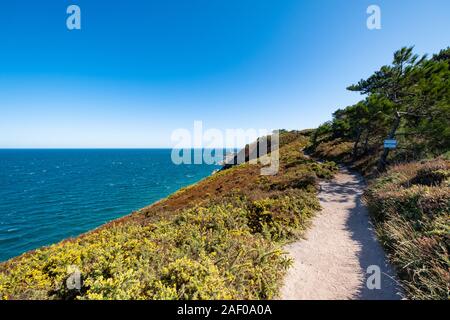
<point x="390" y="144"/>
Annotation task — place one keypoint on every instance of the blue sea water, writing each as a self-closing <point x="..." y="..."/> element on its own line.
<point x="48" y="195"/>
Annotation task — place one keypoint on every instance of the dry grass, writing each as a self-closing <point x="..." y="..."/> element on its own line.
<point x="336" y="150"/>
<point x="411" y="208"/>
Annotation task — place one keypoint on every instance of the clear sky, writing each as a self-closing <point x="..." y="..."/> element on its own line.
<point x="139" y="69"/>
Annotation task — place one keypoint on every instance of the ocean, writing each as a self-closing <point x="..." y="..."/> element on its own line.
<point x="47" y="195"/>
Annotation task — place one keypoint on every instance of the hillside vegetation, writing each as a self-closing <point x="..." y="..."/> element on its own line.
<point x="218" y="239"/>
<point x="408" y="194"/>
<point x="410" y="205"/>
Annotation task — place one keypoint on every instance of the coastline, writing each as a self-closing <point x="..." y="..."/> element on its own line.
<point x="107" y="224"/>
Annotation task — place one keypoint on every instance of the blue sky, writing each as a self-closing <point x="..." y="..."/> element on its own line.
<point x="137" y="70"/>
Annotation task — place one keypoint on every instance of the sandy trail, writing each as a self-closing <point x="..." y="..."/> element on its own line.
<point x="331" y="262"/>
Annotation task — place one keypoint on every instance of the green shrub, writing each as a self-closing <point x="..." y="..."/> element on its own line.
<point x="194" y="280"/>
<point x="283" y="216"/>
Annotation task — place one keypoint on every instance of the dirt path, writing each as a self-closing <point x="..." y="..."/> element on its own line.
<point x="331" y="262"/>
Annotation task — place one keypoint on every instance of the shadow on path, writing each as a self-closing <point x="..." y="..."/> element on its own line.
<point x="361" y="230"/>
<point x="339" y="247"/>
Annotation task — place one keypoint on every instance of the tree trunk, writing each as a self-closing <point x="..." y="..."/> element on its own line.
<point x="396" y="124"/>
<point x="355" y="146"/>
<point x="366" y="142"/>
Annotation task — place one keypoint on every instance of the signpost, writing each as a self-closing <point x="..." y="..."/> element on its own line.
<point x="390" y="144"/>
